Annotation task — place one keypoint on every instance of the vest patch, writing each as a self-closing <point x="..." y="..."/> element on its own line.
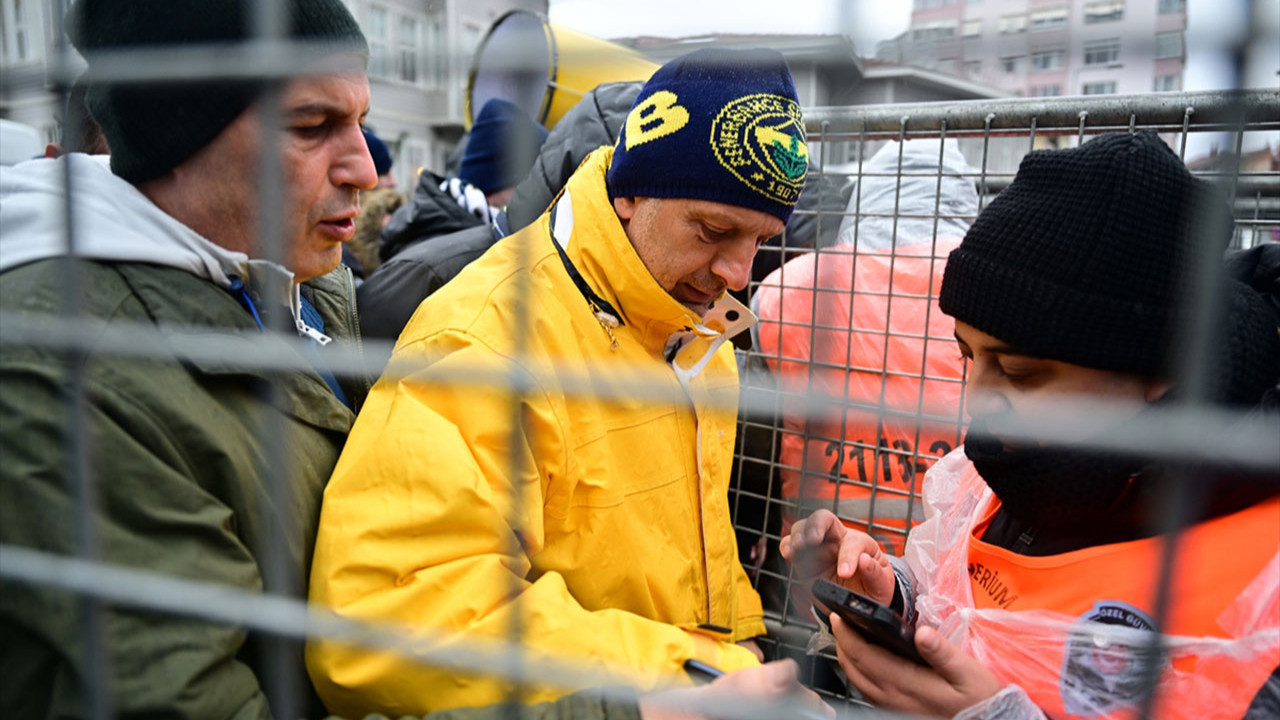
<point x="1100" y="671"/>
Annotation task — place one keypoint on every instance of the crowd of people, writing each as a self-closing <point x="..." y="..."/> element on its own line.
<point x="550" y="449"/>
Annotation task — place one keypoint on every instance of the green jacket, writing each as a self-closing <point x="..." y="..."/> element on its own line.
<point x="179" y="450"/>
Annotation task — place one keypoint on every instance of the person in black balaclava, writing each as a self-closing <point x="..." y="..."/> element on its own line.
<point x="1076" y="285"/>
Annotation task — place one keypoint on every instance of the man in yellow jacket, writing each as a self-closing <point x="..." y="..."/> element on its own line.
<point x="550" y="449"/>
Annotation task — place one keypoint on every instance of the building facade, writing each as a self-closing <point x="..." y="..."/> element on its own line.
<point x="1046" y="48"/>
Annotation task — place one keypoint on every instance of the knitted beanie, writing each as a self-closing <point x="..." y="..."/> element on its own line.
<point x="152" y="128"/>
<point x="720" y="125"/>
<point x="1087" y="256"/>
<point x="501" y="148"/>
<point x="379" y="151"/>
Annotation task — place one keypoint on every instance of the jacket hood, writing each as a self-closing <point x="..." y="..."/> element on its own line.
<point x="917" y="200"/>
<point x="114" y="222"/>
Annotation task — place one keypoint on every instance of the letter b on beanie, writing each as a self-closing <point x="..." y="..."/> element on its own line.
<point x="717" y="125"/>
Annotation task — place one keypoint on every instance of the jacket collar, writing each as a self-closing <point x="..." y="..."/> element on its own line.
<point x="115" y="222"/>
<point x="598" y="246"/>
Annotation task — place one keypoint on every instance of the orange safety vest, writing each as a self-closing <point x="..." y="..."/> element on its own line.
<point x="1071" y="629"/>
<point x="850" y="328"/>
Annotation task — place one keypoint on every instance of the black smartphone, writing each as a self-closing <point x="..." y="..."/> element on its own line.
<point x="701" y="672"/>
<point x="876" y="623"/>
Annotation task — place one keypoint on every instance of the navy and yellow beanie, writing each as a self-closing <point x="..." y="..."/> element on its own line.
<point x="719" y="125"/>
<point x="152" y="128"/>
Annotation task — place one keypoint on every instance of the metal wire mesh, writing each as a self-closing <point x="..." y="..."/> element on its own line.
<point x="783" y="406"/>
<point x="879" y="472"/>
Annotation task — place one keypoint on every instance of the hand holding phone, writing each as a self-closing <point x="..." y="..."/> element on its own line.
<point x="876" y="623"/>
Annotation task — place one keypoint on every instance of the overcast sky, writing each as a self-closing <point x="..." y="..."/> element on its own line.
<point x="1213" y="26"/>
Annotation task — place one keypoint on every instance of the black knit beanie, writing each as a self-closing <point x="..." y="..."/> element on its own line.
<point x="1086" y="256"/>
<point x="153" y="128"/>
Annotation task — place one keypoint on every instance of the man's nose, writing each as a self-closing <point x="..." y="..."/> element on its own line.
<point x="733" y="263"/>
<point x="981" y="398"/>
<point x="354" y="165"/>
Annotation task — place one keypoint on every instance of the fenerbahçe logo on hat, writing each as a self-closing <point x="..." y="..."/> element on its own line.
<point x="759" y="138"/>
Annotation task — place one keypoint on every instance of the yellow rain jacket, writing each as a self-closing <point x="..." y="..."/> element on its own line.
<point x="607" y="530"/>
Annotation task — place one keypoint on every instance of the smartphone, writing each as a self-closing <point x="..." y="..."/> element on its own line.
<point x="876" y="623"/>
<point x="700" y="672"/>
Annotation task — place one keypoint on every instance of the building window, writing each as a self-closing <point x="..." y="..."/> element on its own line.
<point x="1047" y="60"/>
<point x="1106" y="87"/>
<point x="972" y="28"/>
<point x="21" y="50"/>
<point x="933" y="32"/>
<point x="1013" y="64"/>
<point x="973" y="68"/>
<point x="1046" y="91"/>
<point x="1102" y="52"/>
<point x="1167" y="83"/>
<point x="435" y="52"/>
<point x="1051" y="19"/>
<point x="1010" y="24"/>
<point x="1172" y="6"/>
<point x="409" y="45"/>
<point x="377" y="32"/>
<point x="1169" y="45"/>
<point x="1104" y="11"/>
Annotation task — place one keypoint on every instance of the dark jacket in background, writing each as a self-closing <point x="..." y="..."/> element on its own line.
<point x="430" y="213"/>
<point x="391" y="294"/>
<point x="594" y="121"/>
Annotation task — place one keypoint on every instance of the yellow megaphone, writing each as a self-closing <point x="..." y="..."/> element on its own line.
<point x="544" y="68"/>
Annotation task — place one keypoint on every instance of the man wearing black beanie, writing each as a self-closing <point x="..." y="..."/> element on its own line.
<point x="178" y="447"/>
<point x="1034" y="577"/>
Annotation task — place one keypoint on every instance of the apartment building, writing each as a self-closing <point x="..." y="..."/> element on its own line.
<point x="1048" y="48"/>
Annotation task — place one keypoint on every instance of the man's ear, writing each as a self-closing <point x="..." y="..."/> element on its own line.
<point x="624" y="207"/>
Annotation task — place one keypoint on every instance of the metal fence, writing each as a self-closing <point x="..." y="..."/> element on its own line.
<point x="860" y="449"/>
<point x="776" y="415"/>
